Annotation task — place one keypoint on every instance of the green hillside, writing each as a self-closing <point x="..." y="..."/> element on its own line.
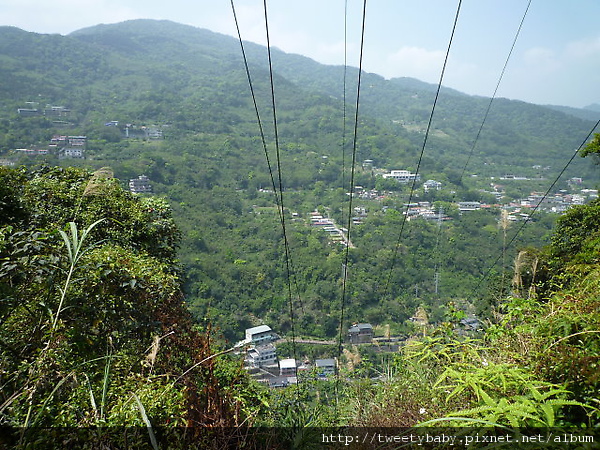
<point x="108" y="296"/>
<point x="211" y="165"/>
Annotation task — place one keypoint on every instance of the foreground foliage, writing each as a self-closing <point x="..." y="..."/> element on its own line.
<point x="94" y="330"/>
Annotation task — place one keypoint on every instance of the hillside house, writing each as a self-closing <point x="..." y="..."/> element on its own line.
<point x="76" y="141"/>
<point x="360" y="333"/>
<point x="288" y="367"/>
<point x="28" y="112"/>
<point x="260" y="335"/>
<point x="402" y="176"/>
<point x="469" y="206"/>
<point x="261" y="355"/>
<point x="140" y="185"/>
<point x="56" y="111"/>
<point x="325" y="367"/>
<point x="432" y="185"/>
<point x="70" y="152"/>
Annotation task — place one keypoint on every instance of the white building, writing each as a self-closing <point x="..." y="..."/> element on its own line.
<point x="261" y="355"/>
<point x="432" y="185"/>
<point x="140" y="185"/>
<point x="287" y="367"/>
<point x="469" y="206"/>
<point x="260" y="335"/>
<point x="402" y="176"/>
<point x="71" y="152"/>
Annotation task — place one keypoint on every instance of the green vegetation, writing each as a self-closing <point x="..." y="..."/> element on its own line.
<point x="120" y="309"/>
<point x="94" y="328"/>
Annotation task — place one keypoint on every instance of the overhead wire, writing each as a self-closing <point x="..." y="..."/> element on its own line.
<point x="280" y="178"/>
<point x="427" y="132"/>
<point x="479" y="131"/>
<point x="344" y="100"/>
<point x="277" y="187"/>
<point x="489" y="106"/>
<point x="351" y="187"/>
<point x="533" y="211"/>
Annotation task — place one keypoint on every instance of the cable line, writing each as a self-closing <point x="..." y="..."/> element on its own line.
<point x="278" y="197"/>
<point x="264" y="144"/>
<point x="278" y="155"/>
<point x="344" y="93"/>
<point x="526" y="221"/>
<point x="485" y="116"/>
<point x="352" y="171"/>
<point x="260" y="126"/>
<point x="414" y="181"/>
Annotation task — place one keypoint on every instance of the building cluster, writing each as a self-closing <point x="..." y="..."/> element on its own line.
<point x="33" y="109"/>
<point x="556" y="203"/>
<point x="328" y="226"/>
<point x="262" y="362"/>
<point x="63" y="146"/>
<point x="132" y="131"/>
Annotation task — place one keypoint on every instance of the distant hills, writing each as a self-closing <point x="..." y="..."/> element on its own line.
<point x="213" y="166"/>
<point x="193" y="79"/>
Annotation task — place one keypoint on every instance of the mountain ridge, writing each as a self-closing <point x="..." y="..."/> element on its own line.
<point x="142" y="25"/>
<point x="161" y="67"/>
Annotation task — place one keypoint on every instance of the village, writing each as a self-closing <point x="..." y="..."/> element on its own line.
<point x="262" y="361"/>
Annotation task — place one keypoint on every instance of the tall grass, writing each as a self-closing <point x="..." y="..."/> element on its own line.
<point x="74" y="246"/>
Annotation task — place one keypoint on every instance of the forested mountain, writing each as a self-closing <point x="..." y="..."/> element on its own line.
<point x="212" y="167"/>
<point x="113" y="304"/>
<point x="162" y="71"/>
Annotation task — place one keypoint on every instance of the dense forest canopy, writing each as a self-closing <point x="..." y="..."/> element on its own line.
<point x="91" y="275"/>
<point x="190" y="84"/>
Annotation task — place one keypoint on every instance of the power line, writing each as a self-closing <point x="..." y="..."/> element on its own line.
<point x="260" y="126"/>
<point x="352" y="170"/>
<point x="414" y="181"/>
<point x="278" y="155"/>
<point x="278" y="197"/>
<point x="344" y="93"/>
<point x="485" y="116"/>
<point x="526" y="221"/>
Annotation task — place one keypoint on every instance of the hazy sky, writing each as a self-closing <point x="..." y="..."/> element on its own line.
<point x="556" y="59"/>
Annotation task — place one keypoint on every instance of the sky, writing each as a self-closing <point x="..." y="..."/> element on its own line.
<point x="555" y="60"/>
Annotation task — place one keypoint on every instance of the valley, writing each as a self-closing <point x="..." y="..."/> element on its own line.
<point x="208" y="222"/>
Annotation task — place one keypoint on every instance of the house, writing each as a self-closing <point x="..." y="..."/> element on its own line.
<point x="153" y="133"/>
<point x="469" y="206"/>
<point x="260" y="335"/>
<point x="140" y="185"/>
<point x="432" y="185"/>
<point x="360" y="333"/>
<point x="402" y="176"/>
<point x="325" y="367"/>
<point x="56" y="111"/>
<point x="69" y="152"/>
<point x="28" y="112"/>
<point x="288" y="367"/>
<point x="76" y="141"/>
<point x="471" y="324"/>
<point x="261" y="355"/>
